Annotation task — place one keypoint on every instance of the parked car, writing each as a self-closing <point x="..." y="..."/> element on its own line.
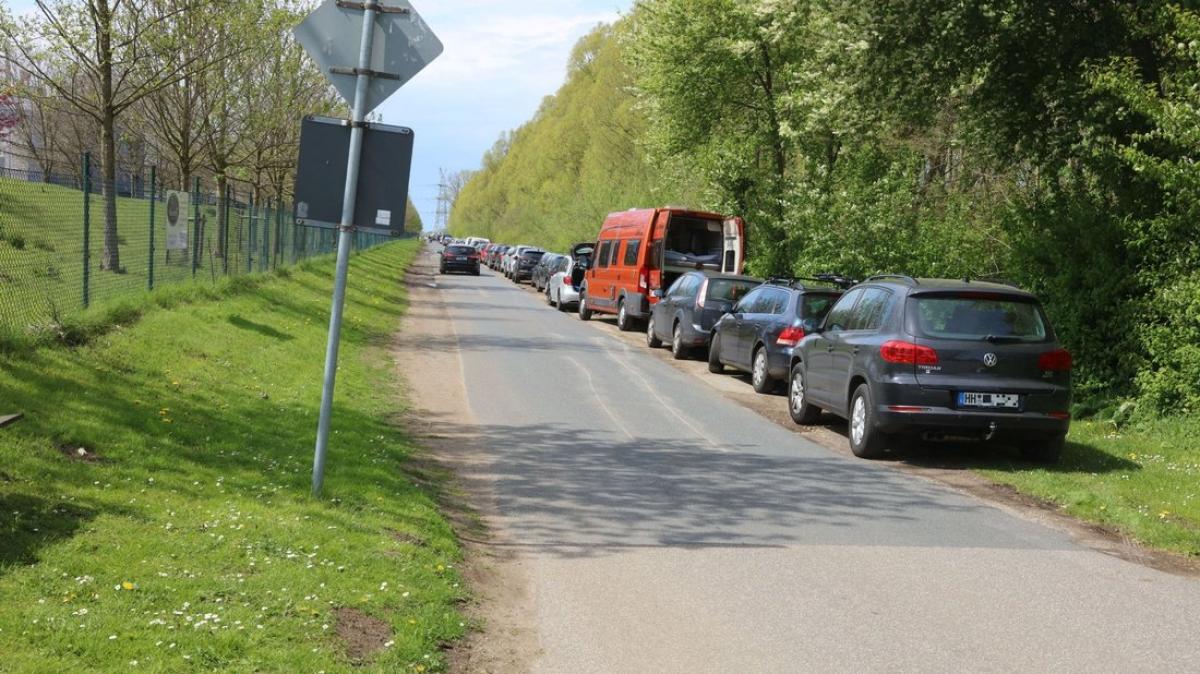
<point x="939" y="359"/>
<point x="506" y="262"/>
<point x="639" y="252"/>
<point x="522" y="266"/>
<point x="459" y="257"/>
<point x="540" y="276"/>
<point x="493" y="257"/>
<point x="761" y="330"/>
<point x="565" y="282"/>
<point x="690" y="308"/>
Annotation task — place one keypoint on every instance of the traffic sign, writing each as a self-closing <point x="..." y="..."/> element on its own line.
<point x="403" y="46"/>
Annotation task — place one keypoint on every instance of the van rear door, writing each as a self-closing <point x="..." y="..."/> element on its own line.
<point x="733" y="253"/>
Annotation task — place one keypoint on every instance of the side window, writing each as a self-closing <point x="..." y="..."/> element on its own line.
<point x="631" y="252"/>
<point x="746" y="304"/>
<point x="779" y="301"/>
<point x="613" y="253"/>
<point x="869" y="313"/>
<point x="676" y="286"/>
<point x="602" y="258"/>
<point x="840" y="315"/>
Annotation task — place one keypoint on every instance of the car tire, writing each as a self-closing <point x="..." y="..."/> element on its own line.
<point x="802" y="411"/>
<point x="475" y="273"/>
<point x="866" y="440"/>
<point x="549" y="297"/>
<point x="760" y="377"/>
<point x="1044" y="450"/>
<point x="652" y="339"/>
<point x="560" y="304"/>
<point x="585" y="314"/>
<point x="678" y="350"/>
<point x="715" y="365"/>
<point x="624" y="322"/>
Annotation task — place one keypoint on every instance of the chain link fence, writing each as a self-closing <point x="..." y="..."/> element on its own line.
<point x="59" y="254"/>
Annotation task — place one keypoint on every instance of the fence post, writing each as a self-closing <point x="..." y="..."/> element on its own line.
<point x="264" y="260"/>
<point x="153" y="194"/>
<point x="279" y="250"/>
<point x="225" y="235"/>
<point x="250" y="233"/>
<point x="87" y="228"/>
<point x="196" y="243"/>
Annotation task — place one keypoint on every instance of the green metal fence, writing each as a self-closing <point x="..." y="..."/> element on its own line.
<point x="58" y="256"/>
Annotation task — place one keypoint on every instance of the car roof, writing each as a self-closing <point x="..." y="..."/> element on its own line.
<point x="934" y="285"/>
<point x="709" y="274"/>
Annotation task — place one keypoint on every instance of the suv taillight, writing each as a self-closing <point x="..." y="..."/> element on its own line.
<point x="907" y="353"/>
<point x="1056" y="361"/>
<point x="790" y="336"/>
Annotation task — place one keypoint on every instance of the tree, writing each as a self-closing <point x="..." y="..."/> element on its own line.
<point x="103" y="57"/>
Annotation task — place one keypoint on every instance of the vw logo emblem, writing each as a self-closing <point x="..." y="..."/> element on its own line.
<point x="990" y="360"/>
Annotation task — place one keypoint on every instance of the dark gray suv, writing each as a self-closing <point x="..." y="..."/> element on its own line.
<point x="937" y="359"/>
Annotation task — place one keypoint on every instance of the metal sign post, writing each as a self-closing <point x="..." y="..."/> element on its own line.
<point x="408" y="46"/>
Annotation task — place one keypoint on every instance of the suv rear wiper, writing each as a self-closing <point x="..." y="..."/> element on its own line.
<point x="997" y="340"/>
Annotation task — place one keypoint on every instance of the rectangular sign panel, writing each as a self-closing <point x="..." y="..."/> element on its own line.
<point x="179" y="210"/>
<point x="382" y="201"/>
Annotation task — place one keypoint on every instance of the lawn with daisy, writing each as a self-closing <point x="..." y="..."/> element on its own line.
<point x="154" y="501"/>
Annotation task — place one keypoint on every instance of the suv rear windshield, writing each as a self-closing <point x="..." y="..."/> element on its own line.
<point x="729" y="290"/>
<point x="974" y="316"/>
<point x="813" y="307"/>
<point x="460" y="250"/>
<point x="533" y="254"/>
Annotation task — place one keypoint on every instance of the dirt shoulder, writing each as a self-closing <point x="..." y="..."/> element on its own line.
<point x="502" y="610"/>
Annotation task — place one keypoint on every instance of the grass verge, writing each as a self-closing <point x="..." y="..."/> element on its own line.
<point x="154" y="508"/>
<point x="1143" y="481"/>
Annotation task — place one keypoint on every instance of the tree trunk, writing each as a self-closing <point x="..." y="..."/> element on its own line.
<point x="222" y="197"/>
<point x="111" y="258"/>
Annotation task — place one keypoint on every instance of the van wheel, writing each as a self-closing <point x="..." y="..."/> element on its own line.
<point x="760" y="377"/>
<point x="1045" y="450"/>
<point x="561" y="307"/>
<point x="585" y="314"/>
<point x="678" y="350"/>
<point x="624" y="322"/>
<point x="652" y="339"/>
<point x="866" y="441"/>
<point x="715" y="365"/>
<point x="802" y="411"/>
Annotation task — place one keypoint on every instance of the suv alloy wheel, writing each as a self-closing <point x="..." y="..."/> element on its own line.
<point x="678" y="350"/>
<point x="759" y="376"/>
<point x="802" y="411"/>
<point x="866" y="441"/>
<point x="715" y="365"/>
<point x="652" y="339"/>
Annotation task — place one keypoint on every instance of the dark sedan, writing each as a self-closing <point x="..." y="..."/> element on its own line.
<point x="524" y="263"/>
<point x="459" y="257"/>
<point x="687" y="312"/>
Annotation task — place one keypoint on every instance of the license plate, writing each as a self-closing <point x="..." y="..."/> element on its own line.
<point x="461" y="258"/>
<point x="1010" y="401"/>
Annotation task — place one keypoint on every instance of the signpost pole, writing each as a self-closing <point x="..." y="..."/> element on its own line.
<point x="345" y="236"/>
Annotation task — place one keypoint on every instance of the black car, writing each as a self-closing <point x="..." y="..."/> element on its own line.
<point x="687" y="312"/>
<point x="523" y="266"/>
<point x="761" y="330"/>
<point x="460" y="257"/>
<point x="936" y="359"/>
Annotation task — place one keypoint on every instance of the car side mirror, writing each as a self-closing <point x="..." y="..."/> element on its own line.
<point x="657" y="293"/>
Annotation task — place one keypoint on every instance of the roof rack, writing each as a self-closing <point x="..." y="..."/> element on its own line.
<point x="838" y="280"/>
<point x="906" y="277"/>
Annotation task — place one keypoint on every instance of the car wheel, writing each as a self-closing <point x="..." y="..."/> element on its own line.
<point x="549" y="298"/>
<point x="715" y="365"/>
<point x="652" y="339"/>
<point x="866" y="441"/>
<point x="678" y="350"/>
<point x="759" y="376"/>
<point x="802" y="411"/>
<point x="624" y="322"/>
<point x="1045" y="450"/>
<point x="475" y="273"/>
<point x="561" y="306"/>
<point x="585" y="314"/>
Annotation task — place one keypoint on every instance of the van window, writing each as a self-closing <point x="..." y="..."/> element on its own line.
<point x="616" y="250"/>
<point x="869" y="313"/>
<point x="602" y="258"/>
<point x="656" y="252"/>
<point x="631" y="252"/>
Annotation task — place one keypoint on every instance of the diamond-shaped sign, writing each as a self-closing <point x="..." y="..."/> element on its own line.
<point x="403" y="46"/>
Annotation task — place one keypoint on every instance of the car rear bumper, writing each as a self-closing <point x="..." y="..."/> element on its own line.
<point x="568" y="295"/>
<point x="461" y="266"/>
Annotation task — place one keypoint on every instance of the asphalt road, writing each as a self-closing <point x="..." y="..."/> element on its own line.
<point x="667" y="529"/>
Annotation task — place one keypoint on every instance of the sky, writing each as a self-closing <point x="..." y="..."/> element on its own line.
<point x="501" y="58"/>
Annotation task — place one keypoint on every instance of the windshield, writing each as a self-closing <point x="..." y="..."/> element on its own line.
<point x="979" y="317"/>
<point x="729" y="290"/>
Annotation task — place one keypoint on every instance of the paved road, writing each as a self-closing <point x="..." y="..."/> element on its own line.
<point x="667" y="529"/>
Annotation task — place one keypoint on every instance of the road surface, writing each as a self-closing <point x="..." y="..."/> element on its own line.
<point x="663" y="528"/>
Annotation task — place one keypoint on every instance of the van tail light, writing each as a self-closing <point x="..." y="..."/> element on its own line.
<point x="790" y="336"/>
<point x="907" y="353"/>
<point x="644" y="278"/>
<point x="1056" y="361"/>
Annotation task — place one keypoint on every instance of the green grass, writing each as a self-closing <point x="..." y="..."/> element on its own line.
<point x="192" y="543"/>
<point x="1143" y="481"/>
<point x="41" y="251"/>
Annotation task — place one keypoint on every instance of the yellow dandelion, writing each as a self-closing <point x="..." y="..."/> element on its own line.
<point x="126" y="585"/>
<point x="1164" y="515"/>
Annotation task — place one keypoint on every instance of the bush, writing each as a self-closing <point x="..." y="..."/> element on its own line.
<point x="1171" y="337"/>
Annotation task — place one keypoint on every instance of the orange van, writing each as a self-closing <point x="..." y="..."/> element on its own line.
<point x="641" y="252"/>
